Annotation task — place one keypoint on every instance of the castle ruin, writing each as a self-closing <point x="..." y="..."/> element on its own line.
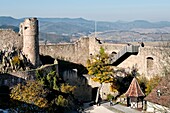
<point x="148" y="58"/>
<point x="29" y="31"/>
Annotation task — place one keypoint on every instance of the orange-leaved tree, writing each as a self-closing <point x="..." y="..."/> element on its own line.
<point x="99" y="70"/>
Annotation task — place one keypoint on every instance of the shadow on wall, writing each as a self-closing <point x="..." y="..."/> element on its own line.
<point x="123" y="83"/>
<point x="7" y="81"/>
<point x="8" y="105"/>
<point x="46" y="59"/>
<point x="66" y="65"/>
<point x="10" y="80"/>
<point x="73" y="74"/>
<point x="4" y="96"/>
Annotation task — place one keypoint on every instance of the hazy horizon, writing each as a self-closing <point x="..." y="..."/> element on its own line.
<point x="99" y="10"/>
<point x="121" y="21"/>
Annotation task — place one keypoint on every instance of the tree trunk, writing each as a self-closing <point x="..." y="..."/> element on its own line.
<point x="98" y="93"/>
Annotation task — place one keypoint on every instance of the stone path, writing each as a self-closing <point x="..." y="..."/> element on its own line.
<point x="97" y="109"/>
<point x="106" y="108"/>
<point x="117" y="108"/>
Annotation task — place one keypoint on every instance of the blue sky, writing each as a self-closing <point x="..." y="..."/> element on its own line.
<point x="103" y="10"/>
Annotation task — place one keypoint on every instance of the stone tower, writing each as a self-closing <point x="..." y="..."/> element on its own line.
<point x="30" y="32"/>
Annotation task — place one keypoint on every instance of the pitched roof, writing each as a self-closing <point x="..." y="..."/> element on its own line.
<point x="134" y="89"/>
<point x="164" y="88"/>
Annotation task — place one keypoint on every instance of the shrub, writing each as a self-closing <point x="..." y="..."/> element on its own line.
<point x="152" y="83"/>
<point x="109" y="97"/>
<point x="66" y="88"/>
<point x="61" y="101"/>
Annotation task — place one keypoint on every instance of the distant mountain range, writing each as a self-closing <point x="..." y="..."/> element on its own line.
<point x="67" y="28"/>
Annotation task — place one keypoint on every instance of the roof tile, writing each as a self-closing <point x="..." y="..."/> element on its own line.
<point x="134" y="89"/>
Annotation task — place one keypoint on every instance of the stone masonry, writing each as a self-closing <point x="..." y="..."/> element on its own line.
<point x="29" y="31"/>
<point x="148" y="59"/>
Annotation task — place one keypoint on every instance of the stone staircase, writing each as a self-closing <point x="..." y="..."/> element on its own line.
<point x="123" y="54"/>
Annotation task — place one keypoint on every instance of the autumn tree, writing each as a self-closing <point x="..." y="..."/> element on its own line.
<point x="99" y="69"/>
<point x="48" y="93"/>
<point x="152" y="83"/>
<point x="32" y="93"/>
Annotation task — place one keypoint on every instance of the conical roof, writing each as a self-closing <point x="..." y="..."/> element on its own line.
<point x="134" y="89"/>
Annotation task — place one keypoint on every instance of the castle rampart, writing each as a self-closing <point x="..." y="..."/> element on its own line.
<point x="77" y="52"/>
<point x="21" y="76"/>
<point x="148" y="59"/>
<point x="80" y="51"/>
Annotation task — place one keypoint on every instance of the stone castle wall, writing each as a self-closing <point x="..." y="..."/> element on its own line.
<point x="21" y="76"/>
<point x="9" y="38"/>
<point x="141" y="60"/>
<point x="105" y="89"/>
<point x="96" y="44"/>
<point x="58" y="51"/>
<point x="80" y="51"/>
<point x="83" y="91"/>
<point x="147" y="60"/>
<point x="77" y="52"/>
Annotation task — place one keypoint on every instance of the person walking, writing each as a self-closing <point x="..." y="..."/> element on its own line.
<point x="111" y="102"/>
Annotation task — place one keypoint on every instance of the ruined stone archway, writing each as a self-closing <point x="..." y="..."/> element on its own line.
<point x="150" y="66"/>
<point x="113" y="54"/>
<point x="150" y="62"/>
